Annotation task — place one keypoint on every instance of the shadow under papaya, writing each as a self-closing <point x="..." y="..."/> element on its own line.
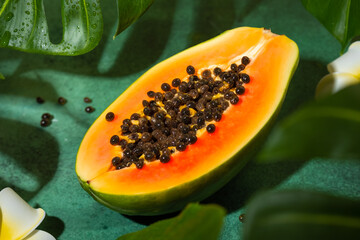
<point x="33" y="151"/>
<point x="147" y="220"/>
<point x="251" y="179"/>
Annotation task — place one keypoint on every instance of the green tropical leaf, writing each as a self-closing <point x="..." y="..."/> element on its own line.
<point x="129" y="11"/>
<point x="328" y="128"/>
<point x="23" y="26"/>
<point x="194" y="222"/>
<point x="340" y="18"/>
<point x="298" y="215"/>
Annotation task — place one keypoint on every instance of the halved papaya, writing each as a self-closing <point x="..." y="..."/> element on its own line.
<point x="155" y="187"/>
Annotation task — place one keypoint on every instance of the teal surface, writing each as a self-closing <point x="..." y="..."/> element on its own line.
<point x="38" y="163"/>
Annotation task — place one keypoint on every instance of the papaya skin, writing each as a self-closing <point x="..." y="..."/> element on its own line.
<point x="105" y="185"/>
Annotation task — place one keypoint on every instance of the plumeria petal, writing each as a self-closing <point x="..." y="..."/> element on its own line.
<point x="18" y="218"/>
<point x="334" y="82"/>
<point x="349" y="62"/>
<point x="344" y="71"/>
<point x="39" y="235"/>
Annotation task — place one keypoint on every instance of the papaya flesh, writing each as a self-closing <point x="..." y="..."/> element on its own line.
<point x="205" y="166"/>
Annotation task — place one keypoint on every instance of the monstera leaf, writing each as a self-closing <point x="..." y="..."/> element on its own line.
<point x="300" y="214"/>
<point x="129" y="11"/>
<point x="23" y="25"/>
<point x="196" y="221"/>
<point x="329" y="128"/>
<point x="341" y="18"/>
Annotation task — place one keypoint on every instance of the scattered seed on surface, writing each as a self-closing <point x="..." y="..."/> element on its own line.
<point x="45" y="122"/>
<point x="242" y="218"/>
<point x="47" y="116"/>
<point x="87" y="100"/>
<point x="89" y="109"/>
<point x="40" y="100"/>
<point x="62" y="101"/>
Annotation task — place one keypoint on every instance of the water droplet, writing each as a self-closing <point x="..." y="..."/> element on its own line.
<point x="91" y="39"/>
<point x="27" y="12"/>
<point x="9" y="16"/>
<point x="15" y="30"/>
<point x="4" y="40"/>
<point x="94" y="13"/>
<point x="94" y="25"/>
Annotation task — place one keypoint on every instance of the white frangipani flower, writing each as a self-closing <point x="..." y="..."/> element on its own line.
<point x="18" y="220"/>
<point x="343" y="71"/>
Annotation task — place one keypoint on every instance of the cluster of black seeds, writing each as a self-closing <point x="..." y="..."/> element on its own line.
<point x="46" y="119"/>
<point x="170" y="119"/>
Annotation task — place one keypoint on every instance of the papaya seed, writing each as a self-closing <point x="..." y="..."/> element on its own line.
<point x="190" y="69"/>
<point x="245" y="60"/>
<point x="210" y="128"/>
<point x="169" y="121"/>
<point x="110" y="116"/>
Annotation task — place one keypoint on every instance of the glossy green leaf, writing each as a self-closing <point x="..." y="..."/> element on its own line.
<point x="328" y="128"/>
<point x="129" y="11"/>
<point x="341" y="18"/>
<point x="23" y="26"/>
<point x="194" y="222"/>
<point x="299" y="215"/>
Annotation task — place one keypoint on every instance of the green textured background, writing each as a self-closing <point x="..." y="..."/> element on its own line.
<point x="38" y="162"/>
